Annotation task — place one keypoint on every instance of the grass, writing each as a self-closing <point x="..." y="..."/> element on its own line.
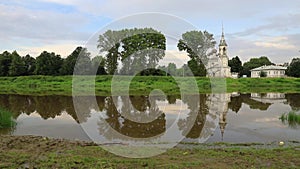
<point x="142" y="85"/>
<point x="292" y="118"/>
<point x="36" y="152"/>
<point x="6" y="120"/>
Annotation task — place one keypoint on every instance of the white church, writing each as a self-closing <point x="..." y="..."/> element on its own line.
<point x="217" y="65"/>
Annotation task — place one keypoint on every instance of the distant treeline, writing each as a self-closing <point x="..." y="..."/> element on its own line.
<point x="12" y="64"/>
<point x="130" y="52"/>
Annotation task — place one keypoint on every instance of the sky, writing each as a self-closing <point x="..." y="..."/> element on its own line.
<point x="252" y="28"/>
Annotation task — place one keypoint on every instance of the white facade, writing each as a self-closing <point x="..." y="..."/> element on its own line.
<point x="270" y="71"/>
<point x="218" y="64"/>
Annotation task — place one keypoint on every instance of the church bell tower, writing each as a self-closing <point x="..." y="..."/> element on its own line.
<point x="223" y="54"/>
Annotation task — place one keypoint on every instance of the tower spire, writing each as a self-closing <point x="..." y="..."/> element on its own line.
<point x="222" y="29"/>
<point x="222" y="40"/>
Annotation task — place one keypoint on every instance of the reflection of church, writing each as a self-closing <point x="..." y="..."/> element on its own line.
<point x="219" y="103"/>
<point x="218" y="63"/>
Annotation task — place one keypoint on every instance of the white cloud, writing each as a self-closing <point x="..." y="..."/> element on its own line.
<point x="174" y="56"/>
<point x="37" y="24"/>
<point x="64" y="49"/>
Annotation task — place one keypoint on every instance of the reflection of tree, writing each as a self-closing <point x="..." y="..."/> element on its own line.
<point x="235" y="104"/>
<point x="128" y="127"/>
<point x="172" y="99"/>
<point x="46" y="106"/>
<point x="293" y="101"/>
<point x="197" y="112"/>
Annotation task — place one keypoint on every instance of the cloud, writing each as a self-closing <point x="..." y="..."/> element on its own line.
<point x="174" y="56"/>
<point x="280" y="43"/>
<point x="279" y="49"/>
<point x="281" y="23"/>
<point x="19" y="22"/>
<point x="64" y="49"/>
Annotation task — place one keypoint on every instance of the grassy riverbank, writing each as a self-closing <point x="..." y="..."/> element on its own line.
<point x="38" y="152"/>
<point x="62" y="85"/>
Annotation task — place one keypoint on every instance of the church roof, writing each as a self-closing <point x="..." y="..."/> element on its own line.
<point x="270" y="67"/>
<point x="222" y="41"/>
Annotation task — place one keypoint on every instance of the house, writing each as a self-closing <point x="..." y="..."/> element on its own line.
<point x="270" y="71"/>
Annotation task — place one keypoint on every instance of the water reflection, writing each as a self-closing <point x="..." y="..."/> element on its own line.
<point x="127" y="127"/>
<point x="212" y="109"/>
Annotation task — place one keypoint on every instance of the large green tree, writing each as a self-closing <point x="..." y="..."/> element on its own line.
<point x="48" y="64"/>
<point x="294" y="68"/>
<point x="254" y="63"/>
<point x="137" y="49"/>
<point x="199" y="47"/>
<point x="235" y="64"/>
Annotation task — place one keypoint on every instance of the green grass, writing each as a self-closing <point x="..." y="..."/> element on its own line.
<point x="6" y="120"/>
<point x="142" y="85"/>
<point x="292" y="118"/>
<point x="22" y="152"/>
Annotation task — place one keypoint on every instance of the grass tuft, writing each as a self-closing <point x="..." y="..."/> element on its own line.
<point x="292" y="118"/>
<point x="6" y="120"/>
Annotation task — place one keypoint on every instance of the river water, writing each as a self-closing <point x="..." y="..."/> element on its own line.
<point x="227" y="117"/>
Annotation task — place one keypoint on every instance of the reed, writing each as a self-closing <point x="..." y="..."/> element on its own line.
<point x="292" y="119"/>
<point x="6" y="120"/>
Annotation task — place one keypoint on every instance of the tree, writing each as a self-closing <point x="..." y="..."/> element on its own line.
<point x="138" y="49"/>
<point x="29" y="64"/>
<point x="109" y="44"/>
<point x="5" y="61"/>
<point x="254" y="63"/>
<point x="198" y="45"/>
<point x="79" y="57"/>
<point x="294" y="68"/>
<point x="235" y="64"/>
<point x="196" y="68"/>
<point x="98" y="65"/>
<point x="152" y="72"/>
<point x="172" y="69"/>
<point x="83" y="63"/>
<point x="69" y="63"/>
<point x="17" y="66"/>
<point x="48" y="64"/>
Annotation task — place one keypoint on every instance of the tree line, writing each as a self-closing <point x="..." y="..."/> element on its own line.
<point x="12" y="64"/>
<point x="129" y="52"/>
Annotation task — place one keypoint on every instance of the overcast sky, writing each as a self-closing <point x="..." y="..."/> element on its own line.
<point x="253" y="28"/>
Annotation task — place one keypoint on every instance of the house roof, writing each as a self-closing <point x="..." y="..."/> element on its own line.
<point x="270" y="67"/>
